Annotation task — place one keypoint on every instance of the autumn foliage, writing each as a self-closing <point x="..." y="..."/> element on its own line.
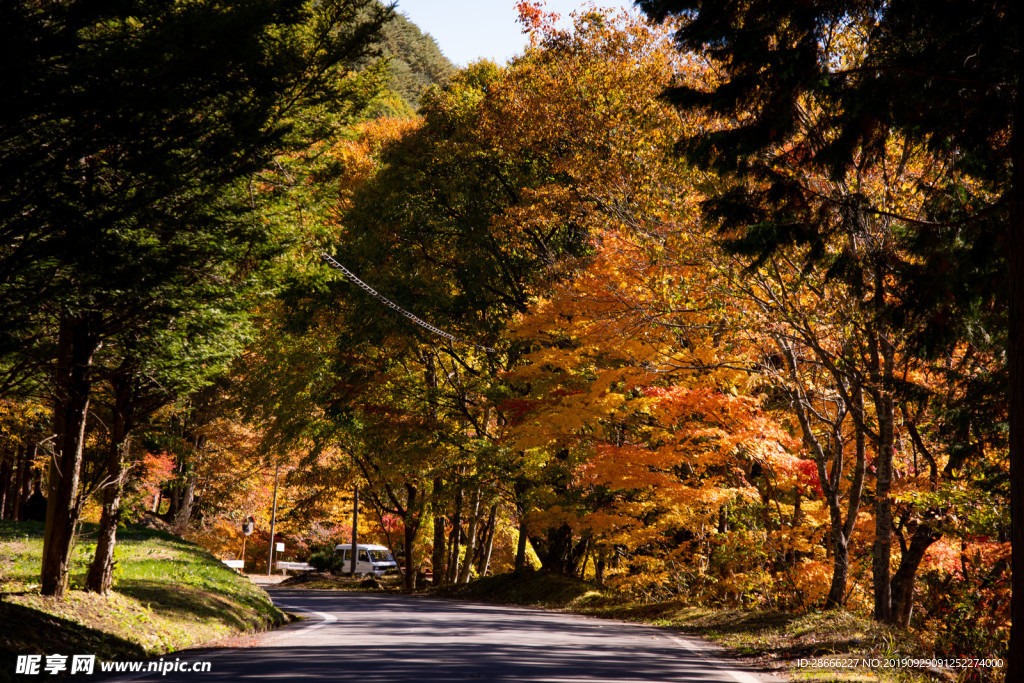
<point x="634" y="390"/>
<point x="664" y="414"/>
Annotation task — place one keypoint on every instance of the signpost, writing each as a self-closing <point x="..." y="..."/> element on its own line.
<point x="248" y="526"/>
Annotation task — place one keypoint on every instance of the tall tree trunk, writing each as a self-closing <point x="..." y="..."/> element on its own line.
<point x="842" y="529"/>
<point x="579" y="558"/>
<point x="471" y="534"/>
<point x="840" y="569"/>
<point x="100" y="578"/>
<point x="411" y="524"/>
<point x="188" y="497"/>
<point x="882" y="368"/>
<point x="173" y="498"/>
<point x="11" y="481"/>
<point x="829" y="463"/>
<point x="838" y="546"/>
<point x="20" y="481"/>
<point x="455" y="539"/>
<point x="411" y="568"/>
<point x="1015" y="667"/>
<point x="481" y="542"/>
<point x="882" y="549"/>
<point x="76" y="346"/>
<point x="7" y="466"/>
<point x="906" y="574"/>
<point x="438" y="556"/>
<point x="492" y="525"/>
<point x="520" y="566"/>
<point x="556" y="551"/>
<point x="27" y="480"/>
<point x="15" y="486"/>
<point x="791" y="554"/>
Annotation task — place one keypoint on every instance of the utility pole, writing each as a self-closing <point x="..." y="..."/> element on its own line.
<point x="273" y="523"/>
<point x="355" y="530"/>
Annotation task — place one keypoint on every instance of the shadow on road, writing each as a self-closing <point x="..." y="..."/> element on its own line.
<point x="393" y="638"/>
<point x="459" y="662"/>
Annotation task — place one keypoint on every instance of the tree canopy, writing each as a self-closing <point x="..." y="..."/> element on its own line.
<point x="946" y="77"/>
<point x="716" y="305"/>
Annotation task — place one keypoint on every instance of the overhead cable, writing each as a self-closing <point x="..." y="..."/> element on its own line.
<point x="395" y="307"/>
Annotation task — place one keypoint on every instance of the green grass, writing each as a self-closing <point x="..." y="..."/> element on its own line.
<point x="168" y="594"/>
<point x="769" y="640"/>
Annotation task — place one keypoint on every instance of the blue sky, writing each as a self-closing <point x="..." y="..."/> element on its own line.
<point x="468" y="30"/>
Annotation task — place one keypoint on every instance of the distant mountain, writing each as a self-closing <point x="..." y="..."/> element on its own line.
<point x="416" y="60"/>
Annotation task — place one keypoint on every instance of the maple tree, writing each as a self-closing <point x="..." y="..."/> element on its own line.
<point x="840" y="342"/>
<point x="595" y="136"/>
<point x="965" y="237"/>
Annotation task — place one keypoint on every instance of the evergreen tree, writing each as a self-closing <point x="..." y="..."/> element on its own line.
<point x="127" y="131"/>
<point x="415" y="61"/>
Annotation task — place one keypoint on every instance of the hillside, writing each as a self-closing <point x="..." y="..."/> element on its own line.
<point x="416" y="60"/>
<point x="169" y="594"/>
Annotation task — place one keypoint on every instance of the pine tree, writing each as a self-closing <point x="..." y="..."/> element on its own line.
<point x="127" y="130"/>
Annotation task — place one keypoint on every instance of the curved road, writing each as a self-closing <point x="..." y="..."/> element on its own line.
<point x="373" y="638"/>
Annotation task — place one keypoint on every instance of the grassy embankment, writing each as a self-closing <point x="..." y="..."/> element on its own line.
<point x="770" y="640"/>
<point x="168" y="594"/>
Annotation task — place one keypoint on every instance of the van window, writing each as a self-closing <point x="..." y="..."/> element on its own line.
<point x="362" y="556"/>
<point x="344" y="555"/>
<point x="380" y="556"/>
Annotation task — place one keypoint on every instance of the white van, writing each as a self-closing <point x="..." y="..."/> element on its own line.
<point x="371" y="559"/>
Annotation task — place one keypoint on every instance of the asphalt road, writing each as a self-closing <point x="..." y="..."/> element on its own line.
<point x="372" y="637"/>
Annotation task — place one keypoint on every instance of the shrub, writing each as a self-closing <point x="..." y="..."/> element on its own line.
<point x="325" y="560"/>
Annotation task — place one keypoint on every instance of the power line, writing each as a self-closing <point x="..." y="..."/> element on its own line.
<point x="395" y="307"/>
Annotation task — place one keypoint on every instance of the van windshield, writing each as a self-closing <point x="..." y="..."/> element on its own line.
<point x="380" y="556"/>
